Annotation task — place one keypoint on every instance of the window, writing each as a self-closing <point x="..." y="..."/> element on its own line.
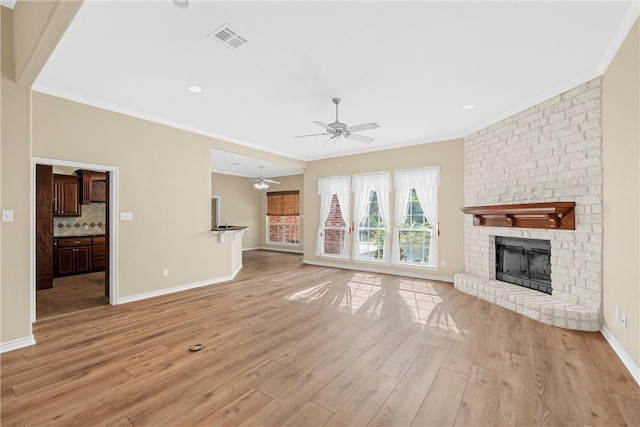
<point x="370" y="211"/>
<point x="370" y="245"/>
<point x="414" y="233"/>
<point x="333" y="229"/>
<point x="283" y="217"/>
<point x="416" y="217"/>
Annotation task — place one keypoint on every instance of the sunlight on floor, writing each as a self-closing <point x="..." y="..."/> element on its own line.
<point x="366" y="295"/>
<point x="421" y="298"/>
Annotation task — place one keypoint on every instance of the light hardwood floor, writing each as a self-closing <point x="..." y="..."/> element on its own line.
<point x="293" y="344"/>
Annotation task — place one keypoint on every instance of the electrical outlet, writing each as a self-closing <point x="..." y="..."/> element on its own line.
<point x="443" y="263"/>
<point x="624" y="320"/>
<point x="126" y="216"/>
<point x="617" y="313"/>
<point x="165" y="272"/>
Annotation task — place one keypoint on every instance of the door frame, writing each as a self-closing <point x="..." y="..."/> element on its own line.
<point x="112" y="229"/>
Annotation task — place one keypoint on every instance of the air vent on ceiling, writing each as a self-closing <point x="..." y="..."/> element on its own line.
<point x="227" y="36"/>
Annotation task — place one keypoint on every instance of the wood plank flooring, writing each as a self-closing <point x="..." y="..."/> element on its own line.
<point x="299" y="345"/>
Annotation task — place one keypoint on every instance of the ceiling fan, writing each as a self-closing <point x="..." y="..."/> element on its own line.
<point x="337" y="128"/>
<point x="261" y="183"/>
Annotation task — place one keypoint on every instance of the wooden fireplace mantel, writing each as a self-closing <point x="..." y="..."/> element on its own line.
<point x="551" y="215"/>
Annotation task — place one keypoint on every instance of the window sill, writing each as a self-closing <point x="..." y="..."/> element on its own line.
<point x="342" y="257"/>
<point x="294" y="245"/>
<point x="372" y="261"/>
<point x="417" y="266"/>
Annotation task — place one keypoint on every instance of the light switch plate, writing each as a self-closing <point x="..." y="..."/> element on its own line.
<point x="7" y="216"/>
<point x="126" y="216"/>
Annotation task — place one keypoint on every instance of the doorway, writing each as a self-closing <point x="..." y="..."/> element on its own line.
<point x="74" y="237"/>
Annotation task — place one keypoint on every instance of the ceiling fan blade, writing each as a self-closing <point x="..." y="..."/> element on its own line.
<point x="361" y="138"/>
<point x="324" y="125"/>
<point x="363" y="126"/>
<point x="312" y="134"/>
<point x="270" y="181"/>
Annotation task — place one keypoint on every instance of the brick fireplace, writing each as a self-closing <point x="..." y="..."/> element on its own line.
<point x="548" y="153"/>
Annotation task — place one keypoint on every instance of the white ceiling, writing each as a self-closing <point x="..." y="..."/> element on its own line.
<point x="240" y="165"/>
<point x="408" y="66"/>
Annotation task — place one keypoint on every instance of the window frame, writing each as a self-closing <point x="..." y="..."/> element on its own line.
<point x="424" y="230"/>
<point x="284" y="226"/>
<point x="364" y="187"/>
<point x="283" y="204"/>
<point x="359" y="228"/>
<point x="345" y="233"/>
<point x="424" y="183"/>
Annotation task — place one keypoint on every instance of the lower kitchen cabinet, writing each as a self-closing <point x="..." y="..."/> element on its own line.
<point x="72" y="255"/>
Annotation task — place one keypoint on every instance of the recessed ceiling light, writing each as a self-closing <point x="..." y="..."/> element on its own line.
<point x="180" y="4"/>
<point x="469" y="107"/>
<point x="196" y="89"/>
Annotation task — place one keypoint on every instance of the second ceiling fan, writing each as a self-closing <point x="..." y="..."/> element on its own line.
<point x="337" y="128"/>
<point x="261" y="182"/>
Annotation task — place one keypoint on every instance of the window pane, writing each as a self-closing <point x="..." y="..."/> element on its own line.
<point x="335" y="215"/>
<point x="292" y="234"/>
<point x="275" y="234"/>
<point x="415" y="216"/>
<point x="414" y="246"/>
<point x="292" y="219"/>
<point x="371" y="244"/>
<point x="373" y="216"/>
<point x="283" y="229"/>
<point x="275" y="219"/>
<point x="334" y="241"/>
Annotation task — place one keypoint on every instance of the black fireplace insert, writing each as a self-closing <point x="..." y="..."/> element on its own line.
<point x="524" y="262"/>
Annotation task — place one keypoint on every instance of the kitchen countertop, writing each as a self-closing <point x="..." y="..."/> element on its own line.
<point x="230" y="228"/>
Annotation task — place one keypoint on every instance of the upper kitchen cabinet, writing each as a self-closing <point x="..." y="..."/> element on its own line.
<point x="94" y="186"/>
<point x="66" y="195"/>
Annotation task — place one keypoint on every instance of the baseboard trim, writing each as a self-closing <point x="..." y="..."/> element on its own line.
<point x="629" y="363"/>
<point x="291" y="251"/>
<point x="235" y="273"/>
<point x="160" y="292"/>
<point x="380" y="270"/>
<point x="17" y="344"/>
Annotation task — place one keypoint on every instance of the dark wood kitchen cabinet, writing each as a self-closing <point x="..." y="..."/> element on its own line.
<point x="66" y="195"/>
<point x="72" y="255"/>
<point x="98" y="253"/>
<point x="93" y="186"/>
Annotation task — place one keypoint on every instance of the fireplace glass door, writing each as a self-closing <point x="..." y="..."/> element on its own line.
<point x="524" y="262"/>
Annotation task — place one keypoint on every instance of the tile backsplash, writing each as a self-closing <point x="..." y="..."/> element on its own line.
<point x="92" y="222"/>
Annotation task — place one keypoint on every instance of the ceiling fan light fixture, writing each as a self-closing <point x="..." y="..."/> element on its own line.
<point x="338" y="129"/>
<point x="262" y="183"/>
